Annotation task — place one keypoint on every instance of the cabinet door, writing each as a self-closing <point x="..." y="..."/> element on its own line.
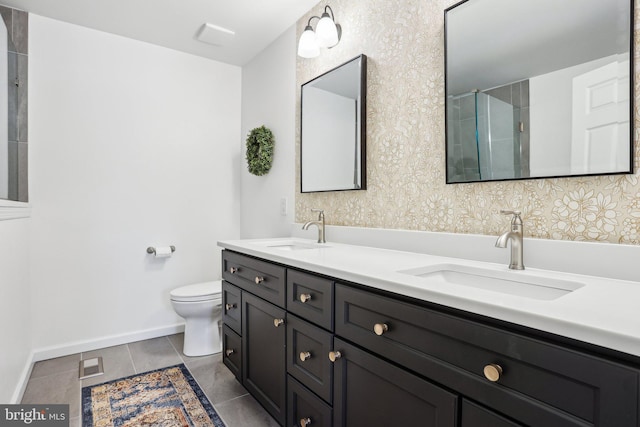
<point x="263" y="352"/>
<point x="371" y="392"/>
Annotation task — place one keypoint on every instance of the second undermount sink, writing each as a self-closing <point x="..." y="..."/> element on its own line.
<point x="517" y="283"/>
<point x="291" y="245"/>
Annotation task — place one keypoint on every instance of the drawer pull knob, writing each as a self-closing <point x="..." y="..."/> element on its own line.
<point x="259" y="279"/>
<point x="304" y="422"/>
<point x="229" y="306"/>
<point x="492" y="372"/>
<point x="233" y="270"/>
<point x="334" y="355"/>
<point x="305" y="297"/>
<point x="305" y="355"/>
<point x="229" y="352"/>
<point x="278" y="322"/>
<point x="380" y="328"/>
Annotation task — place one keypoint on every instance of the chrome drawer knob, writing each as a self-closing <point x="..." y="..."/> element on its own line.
<point x="492" y="372"/>
<point x="304" y="422"/>
<point x="230" y="306"/>
<point x="305" y="297"/>
<point x="278" y="322"/>
<point x="259" y="279"/>
<point x="305" y="355"/>
<point x="380" y="328"/>
<point x="233" y="270"/>
<point x="229" y="352"/>
<point x="334" y="355"/>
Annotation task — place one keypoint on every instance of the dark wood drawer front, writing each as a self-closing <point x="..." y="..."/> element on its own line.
<point x="232" y="307"/>
<point x="372" y="392"/>
<point x="476" y="416"/>
<point x="311" y="298"/>
<point x="541" y="383"/>
<point x="308" y="348"/>
<point x="305" y="409"/>
<point x="263" y="352"/>
<point x="232" y="351"/>
<point x="258" y="277"/>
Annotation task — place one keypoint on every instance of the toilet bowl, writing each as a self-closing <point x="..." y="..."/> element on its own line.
<point x="200" y="305"/>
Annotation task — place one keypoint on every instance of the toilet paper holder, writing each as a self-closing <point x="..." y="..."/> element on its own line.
<point x="152" y="250"/>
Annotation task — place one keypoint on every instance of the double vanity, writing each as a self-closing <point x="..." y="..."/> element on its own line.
<point x="342" y="335"/>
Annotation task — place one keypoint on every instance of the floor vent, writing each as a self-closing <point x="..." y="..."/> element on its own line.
<point x="91" y="368"/>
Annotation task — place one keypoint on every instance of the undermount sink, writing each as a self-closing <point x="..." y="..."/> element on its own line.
<point x="291" y="245"/>
<point x="507" y="282"/>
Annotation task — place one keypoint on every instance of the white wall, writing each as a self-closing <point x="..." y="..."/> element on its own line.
<point x="268" y="98"/>
<point x="131" y="145"/>
<point x="15" y="333"/>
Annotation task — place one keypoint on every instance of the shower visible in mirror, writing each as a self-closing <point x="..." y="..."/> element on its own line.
<point x="333" y="129"/>
<point x="538" y="88"/>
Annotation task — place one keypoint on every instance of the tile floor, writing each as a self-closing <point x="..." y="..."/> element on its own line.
<point x="56" y="380"/>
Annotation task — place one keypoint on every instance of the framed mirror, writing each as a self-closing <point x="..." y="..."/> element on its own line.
<point x="333" y="129"/>
<point x="538" y="89"/>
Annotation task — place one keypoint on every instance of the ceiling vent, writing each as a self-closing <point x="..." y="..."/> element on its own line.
<point x="215" y="35"/>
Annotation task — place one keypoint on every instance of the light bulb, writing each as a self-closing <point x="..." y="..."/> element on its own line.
<point x="326" y="31"/>
<point x="308" y="44"/>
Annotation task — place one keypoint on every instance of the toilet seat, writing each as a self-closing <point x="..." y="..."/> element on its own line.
<point x="198" y="292"/>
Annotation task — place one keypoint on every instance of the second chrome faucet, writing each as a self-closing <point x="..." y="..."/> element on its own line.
<point x="319" y="223"/>
<point x="515" y="234"/>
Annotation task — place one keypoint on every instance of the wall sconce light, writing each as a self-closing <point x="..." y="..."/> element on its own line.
<point x="327" y="34"/>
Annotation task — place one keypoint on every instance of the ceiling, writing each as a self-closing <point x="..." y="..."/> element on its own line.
<point x="175" y="24"/>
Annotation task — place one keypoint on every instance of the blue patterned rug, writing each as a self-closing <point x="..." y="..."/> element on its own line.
<point x="161" y="398"/>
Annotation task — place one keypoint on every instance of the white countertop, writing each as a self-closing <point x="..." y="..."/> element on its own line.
<point x="603" y="311"/>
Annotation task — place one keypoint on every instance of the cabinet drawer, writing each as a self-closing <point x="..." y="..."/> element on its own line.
<point x="308" y="348"/>
<point x="311" y="298"/>
<point x="305" y="409"/>
<point x="231" y="307"/>
<point x="541" y="383"/>
<point x="372" y="392"/>
<point x="476" y="416"/>
<point x="232" y="351"/>
<point x="258" y="277"/>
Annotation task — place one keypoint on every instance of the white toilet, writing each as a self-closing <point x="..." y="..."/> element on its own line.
<point x="201" y="306"/>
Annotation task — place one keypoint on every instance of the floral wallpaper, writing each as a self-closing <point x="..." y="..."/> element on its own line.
<point x="403" y="40"/>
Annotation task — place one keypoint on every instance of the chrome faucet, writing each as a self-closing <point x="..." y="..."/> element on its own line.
<point x="319" y="223"/>
<point x="515" y="235"/>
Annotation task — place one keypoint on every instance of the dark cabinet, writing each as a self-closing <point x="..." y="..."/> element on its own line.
<point x="371" y="392"/>
<point x="400" y="361"/>
<point x="527" y="379"/>
<point x="263" y="352"/>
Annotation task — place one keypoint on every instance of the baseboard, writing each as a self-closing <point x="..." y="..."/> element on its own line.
<point x="24" y="379"/>
<point x="108" y="341"/>
<point x="84" y="346"/>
